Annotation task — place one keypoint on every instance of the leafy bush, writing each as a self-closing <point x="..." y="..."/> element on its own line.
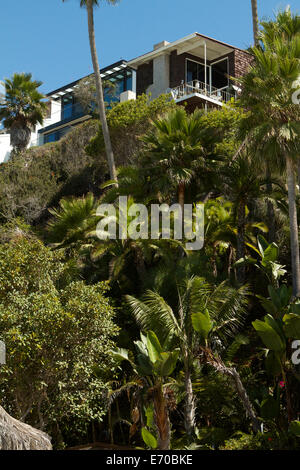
<point x="56" y="332"/>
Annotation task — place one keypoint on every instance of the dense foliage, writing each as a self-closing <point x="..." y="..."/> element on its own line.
<point x="144" y="342"/>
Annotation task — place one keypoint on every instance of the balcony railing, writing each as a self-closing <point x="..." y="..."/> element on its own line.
<point x="195" y="86"/>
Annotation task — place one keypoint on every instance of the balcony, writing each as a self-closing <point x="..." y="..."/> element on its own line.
<point x="206" y="92"/>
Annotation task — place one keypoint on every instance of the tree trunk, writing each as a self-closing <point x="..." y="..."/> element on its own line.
<point x="240" y="252"/>
<point x="255" y="21"/>
<point x="161" y="418"/>
<point x="181" y="191"/>
<point x="15" y="435"/>
<point x="241" y="391"/>
<point x="19" y="137"/>
<point x="99" y="89"/>
<point x="270" y="208"/>
<point x="293" y="227"/>
<point x="190" y="407"/>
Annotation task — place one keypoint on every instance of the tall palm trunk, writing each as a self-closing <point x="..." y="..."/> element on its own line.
<point x="255" y="21"/>
<point x="190" y="407"/>
<point x="99" y="89"/>
<point x="293" y="227"/>
<point x="240" y="252"/>
<point x="162" y="420"/>
<point x="181" y="191"/>
<point x="270" y="207"/>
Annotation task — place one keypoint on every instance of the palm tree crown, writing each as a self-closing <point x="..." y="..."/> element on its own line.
<point x="22" y="108"/>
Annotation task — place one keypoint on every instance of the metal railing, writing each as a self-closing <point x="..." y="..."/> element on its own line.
<point x="195" y="86"/>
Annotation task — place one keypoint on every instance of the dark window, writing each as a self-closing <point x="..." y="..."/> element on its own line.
<point x="219" y="72"/>
<point x="70" y="107"/>
<point x="56" y="135"/>
<point x="196" y="71"/>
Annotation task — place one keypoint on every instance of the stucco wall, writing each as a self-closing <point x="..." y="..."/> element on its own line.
<point x="5" y="147"/>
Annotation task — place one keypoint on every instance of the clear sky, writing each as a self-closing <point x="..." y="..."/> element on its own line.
<point x="49" y="38"/>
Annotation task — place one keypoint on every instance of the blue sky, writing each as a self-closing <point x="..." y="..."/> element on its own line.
<point x="49" y="38"/>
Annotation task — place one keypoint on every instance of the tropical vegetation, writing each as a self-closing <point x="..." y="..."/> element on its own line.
<point x="145" y="343"/>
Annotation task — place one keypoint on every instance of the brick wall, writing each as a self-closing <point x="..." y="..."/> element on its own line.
<point x="242" y="62"/>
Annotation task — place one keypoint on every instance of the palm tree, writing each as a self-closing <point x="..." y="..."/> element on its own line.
<point x="221" y="231"/>
<point x="286" y="26"/>
<point x="174" y="151"/>
<point x="22" y="108"/>
<point x="173" y="323"/>
<point x="255" y="22"/>
<point x="241" y="184"/>
<point x="153" y="365"/>
<point x="90" y="4"/>
<point x="274" y="119"/>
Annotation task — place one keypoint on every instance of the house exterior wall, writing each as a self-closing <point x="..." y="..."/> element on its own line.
<point x="161" y="76"/>
<point x="239" y="63"/>
<point x="242" y="62"/>
<point x="5" y="148"/>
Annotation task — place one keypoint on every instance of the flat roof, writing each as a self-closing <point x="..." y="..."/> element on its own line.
<point x="194" y="42"/>
<point x="105" y="72"/>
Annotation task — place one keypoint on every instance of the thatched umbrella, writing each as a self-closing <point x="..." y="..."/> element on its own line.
<point x="15" y="435"/>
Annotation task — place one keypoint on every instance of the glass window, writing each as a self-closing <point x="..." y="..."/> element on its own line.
<point x="67" y="106"/>
<point x="219" y="73"/>
<point x="56" y="135"/>
<point x="196" y="71"/>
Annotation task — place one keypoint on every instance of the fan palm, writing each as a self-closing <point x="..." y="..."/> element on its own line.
<point x="74" y="226"/>
<point x="241" y="184"/>
<point x="285" y="27"/>
<point x="89" y="5"/>
<point x="174" y="151"/>
<point x="221" y="230"/>
<point x="273" y="120"/>
<point x="173" y="324"/>
<point x="22" y="108"/>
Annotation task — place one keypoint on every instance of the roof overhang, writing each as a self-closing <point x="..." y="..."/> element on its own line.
<point x="193" y="44"/>
<point x="105" y="73"/>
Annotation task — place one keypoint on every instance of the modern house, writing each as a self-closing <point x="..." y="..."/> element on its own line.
<point x="66" y="112"/>
<point x="195" y="70"/>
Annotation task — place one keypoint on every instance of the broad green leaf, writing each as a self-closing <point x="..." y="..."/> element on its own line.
<point x="149" y="439"/>
<point x="268" y="335"/>
<point x="166" y="365"/>
<point x="153" y="346"/>
<point x="295" y="308"/>
<point x="292" y="325"/>
<point x="267" y="305"/>
<point x="275" y="297"/>
<point x="262" y="244"/>
<point x="269" y="408"/>
<point x="145" y="366"/>
<point x="120" y="354"/>
<point x="271" y="253"/>
<point x="202" y="323"/>
<point x="276" y="325"/>
<point x="273" y="365"/>
<point x="295" y="428"/>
